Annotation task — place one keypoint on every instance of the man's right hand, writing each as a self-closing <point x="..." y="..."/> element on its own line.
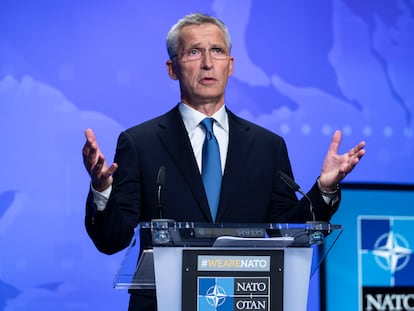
<point x="95" y="163"/>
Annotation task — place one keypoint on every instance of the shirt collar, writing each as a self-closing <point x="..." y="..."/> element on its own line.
<point x="192" y="117"/>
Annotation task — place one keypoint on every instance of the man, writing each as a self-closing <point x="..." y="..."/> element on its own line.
<point x="124" y="193"/>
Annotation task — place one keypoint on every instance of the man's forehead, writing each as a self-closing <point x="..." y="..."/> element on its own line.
<point x="199" y="34"/>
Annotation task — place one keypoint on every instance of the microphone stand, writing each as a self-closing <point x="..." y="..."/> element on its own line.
<point x="160" y="226"/>
<point x="316" y="237"/>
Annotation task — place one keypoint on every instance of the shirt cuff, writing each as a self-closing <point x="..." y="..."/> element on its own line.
<point x="330" y="197"/>
<point x="101" y="198"/>
<point x="331" y="200"/>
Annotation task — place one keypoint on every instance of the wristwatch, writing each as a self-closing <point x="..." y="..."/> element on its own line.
<point x="330" y="197"/>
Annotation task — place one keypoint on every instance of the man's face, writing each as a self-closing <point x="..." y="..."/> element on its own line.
<point x="203" y="79"/>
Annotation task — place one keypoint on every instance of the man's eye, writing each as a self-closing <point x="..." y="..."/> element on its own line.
<point x="217" y="50"/>
<point x="193" y="52"/>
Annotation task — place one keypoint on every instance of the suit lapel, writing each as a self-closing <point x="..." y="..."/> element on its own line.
<point x="174" y="138"/>
<point x="238" y="155"/>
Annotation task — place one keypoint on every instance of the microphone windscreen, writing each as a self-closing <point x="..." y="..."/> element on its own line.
<point x="161" y="176"/>
<point x="289" y="181"/>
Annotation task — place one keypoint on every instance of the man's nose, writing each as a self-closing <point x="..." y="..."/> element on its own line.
<point x="207" y="60"/>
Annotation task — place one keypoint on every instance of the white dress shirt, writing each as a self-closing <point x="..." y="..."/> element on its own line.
<point x="196" y="132"/>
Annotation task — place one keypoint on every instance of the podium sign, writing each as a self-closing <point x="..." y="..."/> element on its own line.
<point x="232" y="279"/>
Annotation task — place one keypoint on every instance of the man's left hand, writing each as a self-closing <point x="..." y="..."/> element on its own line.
<point x="336" y="166"/>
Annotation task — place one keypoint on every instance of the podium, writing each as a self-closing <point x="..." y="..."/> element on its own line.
<point x="203" y="266"/>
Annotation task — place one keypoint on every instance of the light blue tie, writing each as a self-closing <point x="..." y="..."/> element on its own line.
<point x="211" y="167"/>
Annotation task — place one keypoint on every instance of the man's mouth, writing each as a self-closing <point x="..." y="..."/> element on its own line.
<point x="207" y="80"/>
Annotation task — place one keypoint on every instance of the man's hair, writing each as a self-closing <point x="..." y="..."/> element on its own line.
<point x="194" y="19"/>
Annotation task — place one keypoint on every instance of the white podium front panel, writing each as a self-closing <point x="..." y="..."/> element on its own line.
<point x="298" y="263"/>
<point x="168" y="267"/>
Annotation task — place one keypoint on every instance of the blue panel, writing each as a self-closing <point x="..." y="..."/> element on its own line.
<point x="368" y="216"/>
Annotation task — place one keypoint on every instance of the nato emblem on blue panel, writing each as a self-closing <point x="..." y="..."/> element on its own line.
<point x="386" y="271"/>
<point x="215" y="294"/>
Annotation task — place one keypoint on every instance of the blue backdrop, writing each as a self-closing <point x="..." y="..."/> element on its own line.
<point x="302" y="69"/>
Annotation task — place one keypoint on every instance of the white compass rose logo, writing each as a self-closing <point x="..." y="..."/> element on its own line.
<point x="392" y="252"/>
<point x="215" y="296"/>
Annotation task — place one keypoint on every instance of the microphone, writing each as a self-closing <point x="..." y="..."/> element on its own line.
<point x="160" y="185"/>
<point x="295" y="187"/>
<point x="315" y="237"/>
<point x="160" y="228"/>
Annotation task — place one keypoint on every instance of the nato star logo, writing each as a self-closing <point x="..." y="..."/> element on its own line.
<point x="392" y="252"/>
<point x="215" y="296"/>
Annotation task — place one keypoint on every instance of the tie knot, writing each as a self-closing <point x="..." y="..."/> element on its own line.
<point x="207" y="123"/>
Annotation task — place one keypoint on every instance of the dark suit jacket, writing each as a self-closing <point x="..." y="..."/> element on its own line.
<point x="252" y="191"/>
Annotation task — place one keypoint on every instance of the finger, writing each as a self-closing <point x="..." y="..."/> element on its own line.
<point x="98" y="166"/>
<point x="110" y="171"/>
<point x="349" y="165"/>
<point x="90" y="150"/>
<point x="358" y="152"/>
<point x="336" y="140"/>
<point x="90" y="155"/>
<point x="360" y="147"/>
<point x="90" y="135"/>
<point x="90" y="140"/>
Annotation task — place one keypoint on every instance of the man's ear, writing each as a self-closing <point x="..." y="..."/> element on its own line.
<point x="231" y="65"/>
<point x="172" y="69"/>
